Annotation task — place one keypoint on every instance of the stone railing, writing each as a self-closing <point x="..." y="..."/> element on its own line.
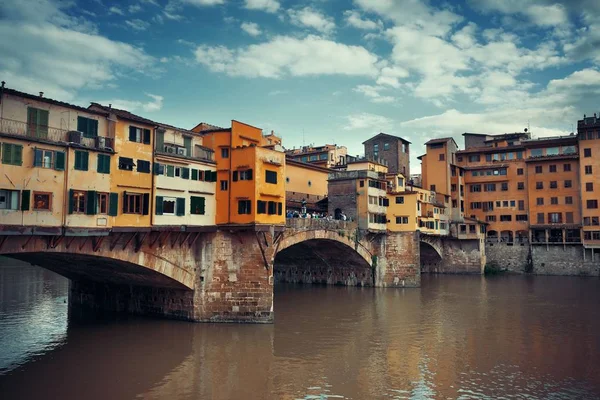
<point x="316" y="224"/>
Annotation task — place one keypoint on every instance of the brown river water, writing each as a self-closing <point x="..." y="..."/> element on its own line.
<point x="456" y="337"/>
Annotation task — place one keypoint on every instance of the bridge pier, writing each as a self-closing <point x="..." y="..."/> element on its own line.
<point x="397" y="260"/>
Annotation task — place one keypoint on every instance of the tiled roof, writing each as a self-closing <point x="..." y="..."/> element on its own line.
<point x="207" y="127"/>
<point x="124" y="114"/>
<point x="50" y="101"/>
<point x="388" y="135"/>
<point x="439" y="140"/>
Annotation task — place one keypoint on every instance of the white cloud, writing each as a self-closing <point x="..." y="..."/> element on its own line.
<point x="131" y="105"/>
<point x="368" y="123"/>
<point x="134" y="8"/>
<point x="390" y="76"/>
<point x="310" y="18"/>
<point x="153" y="2"/>
<point x="270" y="6"/>
<point x="115" y="10"/>
<point x="284" y="55"/>
<point x="138" y="24"/>
<point x="354" y="19"/>
<point x="202" y="3"/>
<point x="251" y="28"/>
<point x="543" y="13"/>
<point x="373" y="93"/>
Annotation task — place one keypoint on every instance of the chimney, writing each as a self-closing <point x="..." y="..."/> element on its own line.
<point x="110" y="106"/>
<point x="41" y="94"/>
<point x="3" y="83"/>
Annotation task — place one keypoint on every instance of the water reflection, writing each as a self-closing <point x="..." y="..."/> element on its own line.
<point x="456" y="337"/>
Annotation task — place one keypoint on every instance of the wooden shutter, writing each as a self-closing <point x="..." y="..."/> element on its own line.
<point x="42" y="123"/>
<point x="91" y="202"/>
<point x="202" y="205"/>
<point x="187" y="143"/>
<point x="159" y="141"/>
<point x="25" y="200"/>
<point x="180" y="206"/>
<point x="124" y="202"/>
<point x="59" y="162"/>
<point x="17" y="154"/>
<point x="249" y="175"/>
<point x="132" y="134"/>
<point x="94" y="127"/>
<point x="146" y="138"/>
<point x="82" y="125"/>
<point x="213" y="176"/>
<point x="185" y="173"/>
<point x="84" y="160"/>
<point x="279" y="209"/>
<point x="158" y="208"/>
<point x="113" y="204"/>
<point x="31" y="121"/>
<point x="194" y="174"/>
<point x="240" y="206"/>
<point x="156" y="168"/>
<point x="38" y="156"/>
<point x="235" y="176"/>
<point x="146" y="204"/>
<point x="71" y="201"/>
<point x="207" y="176"/>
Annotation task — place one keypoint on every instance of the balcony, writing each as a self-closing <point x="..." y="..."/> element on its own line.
<point x="175" y="150"/>
<point x="48" y="134"/>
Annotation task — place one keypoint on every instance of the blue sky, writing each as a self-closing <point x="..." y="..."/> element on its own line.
<point x="319" y="71"/>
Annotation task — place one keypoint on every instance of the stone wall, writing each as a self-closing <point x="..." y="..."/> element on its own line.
<point x="567" y="260"/>
<point x="512" y="258"/>
<point x="397" y="263"/>
<point x="463" y="256"/>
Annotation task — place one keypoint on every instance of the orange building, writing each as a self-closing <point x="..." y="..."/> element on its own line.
<point x="588" y="132"/>
<point x="250" y="179"/>
<point x="305" y="184"/>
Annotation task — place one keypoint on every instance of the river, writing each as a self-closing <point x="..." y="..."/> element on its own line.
<point x="461" y="337"/>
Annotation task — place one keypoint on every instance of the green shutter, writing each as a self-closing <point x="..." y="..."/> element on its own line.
<point x="160" y="140"/>
<point x="31" y="121"/>
<point x="207" y="176"/>
<point x="159" y="205"/>
<point x="197" y="205"/>
<point x="170" y="170"/>
<point x="59" y="163"/>
<point x="132" y="135"/>
<point x="38" y="156"/>
<point x="42" y="131"/>
<point x="214" y="176"/>
<point x="71" y="201"/>
<point x="146" y="136"/>
<point x="91" y="202"/>
<point x="85" y="158"/>
<point x="249" y="174"/>
<point x="94" y="127"/>
<point x="194" y="174"/>
<point x="156" y="168"/>
<point x="25" y="200"/>
<point x="82" y="125"/>
<point x="180" y="206"/>
<point x="17" y="155"/>
<point x="187" y="143"/>
<point x="202" y="205"/>
<point x="113" y="205"/>
<point x="235" y="176"/>
<point x="185" y="173"/>
<point x="146" y="204"/>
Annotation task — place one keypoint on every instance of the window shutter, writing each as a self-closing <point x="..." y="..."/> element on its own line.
<point x="59" y="163"/>
<point x="213" y="176"/>
<point x="207" y="176"/>
<point x="31" y="121"/>
<point x="156" y="168"/>
<point x="146" y="204"/>
<point x="6" y="153"/>
<point x="132" y="134"/>
<point x="37" y="157"/>
<point x="160" y="140"/>
<point x="124" y="202"/>
<point x="94" y="127"/>
<point x="194" y="174"/>
<point x="43" y="123"/>
<point x="113" y="204"/>
<point x="18" y="155"/>
<point x="82" y="125"/>
<point x="159" y="205"/>
<point x="146" y="136"/>
<point x="84" y="160"/>
<point x="235" y="176"/>
<point x="71" y="201"/>
<point x="180" y="206"/>
<point x="187" y="143"/>
<point x="185" y="173"/>
<point x="279" y="209"/>
<point x="249" y="174"/>
<point x="202" y="205"/>
<point x="91" y="202"/>
<point x="240" y="206"/>
<point x="25" y="200"/>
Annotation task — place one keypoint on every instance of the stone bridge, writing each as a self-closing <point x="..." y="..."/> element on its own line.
<point x="222" y="275"/>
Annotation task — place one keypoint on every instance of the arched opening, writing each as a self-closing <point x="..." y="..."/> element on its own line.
<point x="492" y="236"/>
<point x="322" y="261"/>
<point x="506" y="237"/>
<point x="338" y="213"/>
<point x="522" y="237"/>
<point x="431" y="260"/>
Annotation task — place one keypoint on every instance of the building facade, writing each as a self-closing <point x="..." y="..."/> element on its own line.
<point x="327" y="156"/>
<point x="394" y="151"/>
<point x="305" y="185"/>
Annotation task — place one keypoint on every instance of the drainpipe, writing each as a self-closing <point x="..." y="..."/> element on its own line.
<point x="153" y="182"/>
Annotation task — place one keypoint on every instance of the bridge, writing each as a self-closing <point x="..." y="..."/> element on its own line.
<point x="227" y="273"/>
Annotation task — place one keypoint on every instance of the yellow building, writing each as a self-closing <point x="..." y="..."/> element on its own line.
<point x="131" y="169"/>
<point x="305" y="182"/>
<point x="184" y="179"/>
<point x="56" y="165"/>
<point x="250" y="179"/>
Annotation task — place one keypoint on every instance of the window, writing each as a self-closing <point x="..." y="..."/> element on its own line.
<point x="127" y="163"/>
<point x="224" y="152"/>
<point x="520" y="185"/>
<point x="540" y="218"/>
<point x="168" y="205"/>
<point x="490" y="187"/>
<point x="362" y="184"/>
<point x="553" y="200"/>
<point x="313" y="158"/>
<point x="402" y="220"/>
<point x="519" y="155"/>
<point x="569" y="217"/>
<point x="505" y="218"/>
<point x="504" y="203"/>
<point x="243" y="175"/>
<point x="271" y="176"/>
<point x="521" y="205"/>
<point x="554" y="218"/>
<point x="453" y="187"/>
<point x="475" y="205"/>
<point x="78" y="198"/>
<point x="399" y="199"/>
<point x="568" y="183"/>
<point x="519" y="171"/>
<point x="432" y="188"/>
<point x="43" y="158"/>
<point x="102" y="203"/>
<point x="42" y="201"/>
<point x="552" y="151"/>
<point x="271" y="208"/>
<point x="459" y="158"/>
<point x="178" y="172"/>
<point x="37" y="122"/>
<point x="376" y="147"/>
<point x="588" y="169"/>
<point x="539" y="185"/>
<point x="12" y="154"/>
<point x="442" y="157"/>
<point x="144" y="166"/>
<point x="88" y="126"/>
<point x="504" y="186"/>
<point x="135" y="203"/>
<point x="566" y="167"/>
<point x="568" y="200"/>
<point x="139" y="135"/>
<point x="553" y="184"/>
<point x="512" y="203"/>
<point x="323" y="156"/>
<point x="386" y="146"/>
<point x="103" y="165"/>
<point x="244" y="207"/>
<point x="475" y="188"/>
<point x="587" y="152"/>
<point x="261" y="207"/>
<point x="589" y="187"/>
<point x="490" y="218"/>
<point x="521" y="217"/>
<point x="592" y="204"/>
<point x="197" y="205"/>
<point x="81" y="160"/>
<point x="593" y="221"/>
<point x="539" y="201"/>
<point x="536" y="153"/>
<point x="474" y="158"/>
<point x="552" y="168"/>
<point x="538" y="169"/>
<point x="9" y="199"/>
<point x="224" y="185"/>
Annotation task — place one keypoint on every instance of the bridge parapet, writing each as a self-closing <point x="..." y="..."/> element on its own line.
<point x="305" y="224"/>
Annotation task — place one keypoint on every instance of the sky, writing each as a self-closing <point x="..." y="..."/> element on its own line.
<point x="320" y="71"/>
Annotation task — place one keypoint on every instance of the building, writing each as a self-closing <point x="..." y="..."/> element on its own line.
<point x="361" y="195"/>
<point x="250" y="179"/>
<point x="56" y="162"/>
<point x="305" y="185"/>
<point x="271" y="141"/>
<point x="184" y="179"/>
<point x="588" y="135"/>
<point x="327" y="156"/>
<point x="393" y="150"/>
<point x="131" y="170"/>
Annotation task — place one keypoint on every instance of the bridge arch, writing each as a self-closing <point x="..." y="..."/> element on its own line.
<point x="431" y="255"/>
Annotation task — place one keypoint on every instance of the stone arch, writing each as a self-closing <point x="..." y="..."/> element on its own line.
<point x="434" y="242"/>
<point x="430" y="256"/>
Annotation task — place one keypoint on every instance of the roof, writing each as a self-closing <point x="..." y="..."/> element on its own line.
<point x="301" y="164"/>
<point x="124" y="114"/>
<point x="51" y="101"/>
<point x="441" y="140"/>
<point x="176" y="128"/>
<point x="386" y="135"/>
<point x="207" y="126"/>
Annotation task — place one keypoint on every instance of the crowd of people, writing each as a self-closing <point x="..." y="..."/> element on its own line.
<point x="315" y="215"/>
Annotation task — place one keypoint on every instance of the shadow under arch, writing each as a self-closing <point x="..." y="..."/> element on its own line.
<point x="431" y="259"/>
